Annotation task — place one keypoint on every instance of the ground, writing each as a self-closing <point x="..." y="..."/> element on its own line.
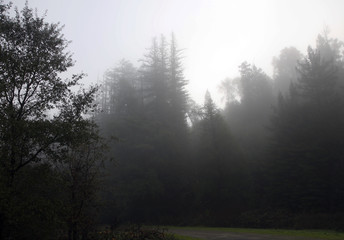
<point x="225" y="235"/>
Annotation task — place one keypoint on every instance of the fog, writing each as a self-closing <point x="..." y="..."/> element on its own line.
<point x="191" y="113"/>
<point x="217" y="36"/>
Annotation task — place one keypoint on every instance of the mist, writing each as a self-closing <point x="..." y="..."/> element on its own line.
<point x="216" y="36"/>
<point x="170" y="113"/>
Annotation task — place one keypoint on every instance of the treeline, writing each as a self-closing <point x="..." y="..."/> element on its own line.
<point x="271" y="158"/>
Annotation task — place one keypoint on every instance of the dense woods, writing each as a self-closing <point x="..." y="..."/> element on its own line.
<point x="271" y="158"/>
<point x="138" y="149"/>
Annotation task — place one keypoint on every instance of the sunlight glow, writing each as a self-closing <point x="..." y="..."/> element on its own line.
<point x="228" y="34"/>
<point x="217" y="36"/>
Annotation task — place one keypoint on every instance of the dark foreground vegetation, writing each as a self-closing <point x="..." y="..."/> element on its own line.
<point x="135" y="232"/>
<point x="197" y="233"/>
<point x="272" y="158"/>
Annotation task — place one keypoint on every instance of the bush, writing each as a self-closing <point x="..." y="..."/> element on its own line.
<point x="135" y="232"/>
<point x="266" y="219"/>
<point x="319" y="221"/>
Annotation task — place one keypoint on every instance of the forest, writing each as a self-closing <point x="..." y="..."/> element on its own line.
<point x="138" y="149"/>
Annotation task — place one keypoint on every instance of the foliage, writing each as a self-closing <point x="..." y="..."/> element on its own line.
<point x="249" y="116"/>
<point x="219" y="168"/>
<point x="285" y="69"/>
<point x="43" y="124"/>
<point x="305" y="147"/>
<point x="136" y="232"/>
<point x="79" y="172"/>
<point x="148" y="117"/>
<point x="32" y="55"/>
<point x="205" y="165"/>
<point x="316" y="234"/>
<point x="176" y="162"/>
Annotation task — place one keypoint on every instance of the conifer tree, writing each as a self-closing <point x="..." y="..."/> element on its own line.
<point x="306" y="150"/>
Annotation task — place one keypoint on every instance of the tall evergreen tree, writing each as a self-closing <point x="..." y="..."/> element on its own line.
<point x="220" y="168"/>
<point x="177" y="82"/>
<point x="306" y="150"/>
<point x="148" y="117"/>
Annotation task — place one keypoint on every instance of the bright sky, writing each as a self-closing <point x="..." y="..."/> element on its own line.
<point x="217" y="35"/>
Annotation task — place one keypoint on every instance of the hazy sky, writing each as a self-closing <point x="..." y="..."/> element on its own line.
<point x="216" y="35"/>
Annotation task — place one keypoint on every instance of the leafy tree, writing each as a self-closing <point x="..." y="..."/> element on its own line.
<point x="285" y="71"/>
<point x="249" y="117"/>
<point x="119" y="90"/>
<point x="194" y="112"/>
<point x="36" y="126"/>
<point x="32" y="55"/>
<point x="230" y="90"/>
<point x="80" y="174"/>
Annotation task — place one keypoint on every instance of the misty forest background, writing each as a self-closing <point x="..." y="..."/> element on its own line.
<point x="138" y="149"/>
<point x="273" y="157"/>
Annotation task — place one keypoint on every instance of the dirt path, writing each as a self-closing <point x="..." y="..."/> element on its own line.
<point x="222" y="235"/>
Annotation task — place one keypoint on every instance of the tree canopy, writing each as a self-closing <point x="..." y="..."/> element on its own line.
<point x="42" y="122"/>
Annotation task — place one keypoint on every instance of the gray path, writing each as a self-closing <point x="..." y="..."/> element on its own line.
<point x="222" y="235"/>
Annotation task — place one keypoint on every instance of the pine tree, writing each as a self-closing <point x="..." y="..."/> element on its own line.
<point x="177" y="83"/>
<point x="220" y="169"/>
<point x="307" y="148"/>
<point x="153" y="136"/>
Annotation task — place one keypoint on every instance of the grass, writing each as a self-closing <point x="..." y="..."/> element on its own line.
<point x="180" y="237"/>
<point x="316" y="234"/>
